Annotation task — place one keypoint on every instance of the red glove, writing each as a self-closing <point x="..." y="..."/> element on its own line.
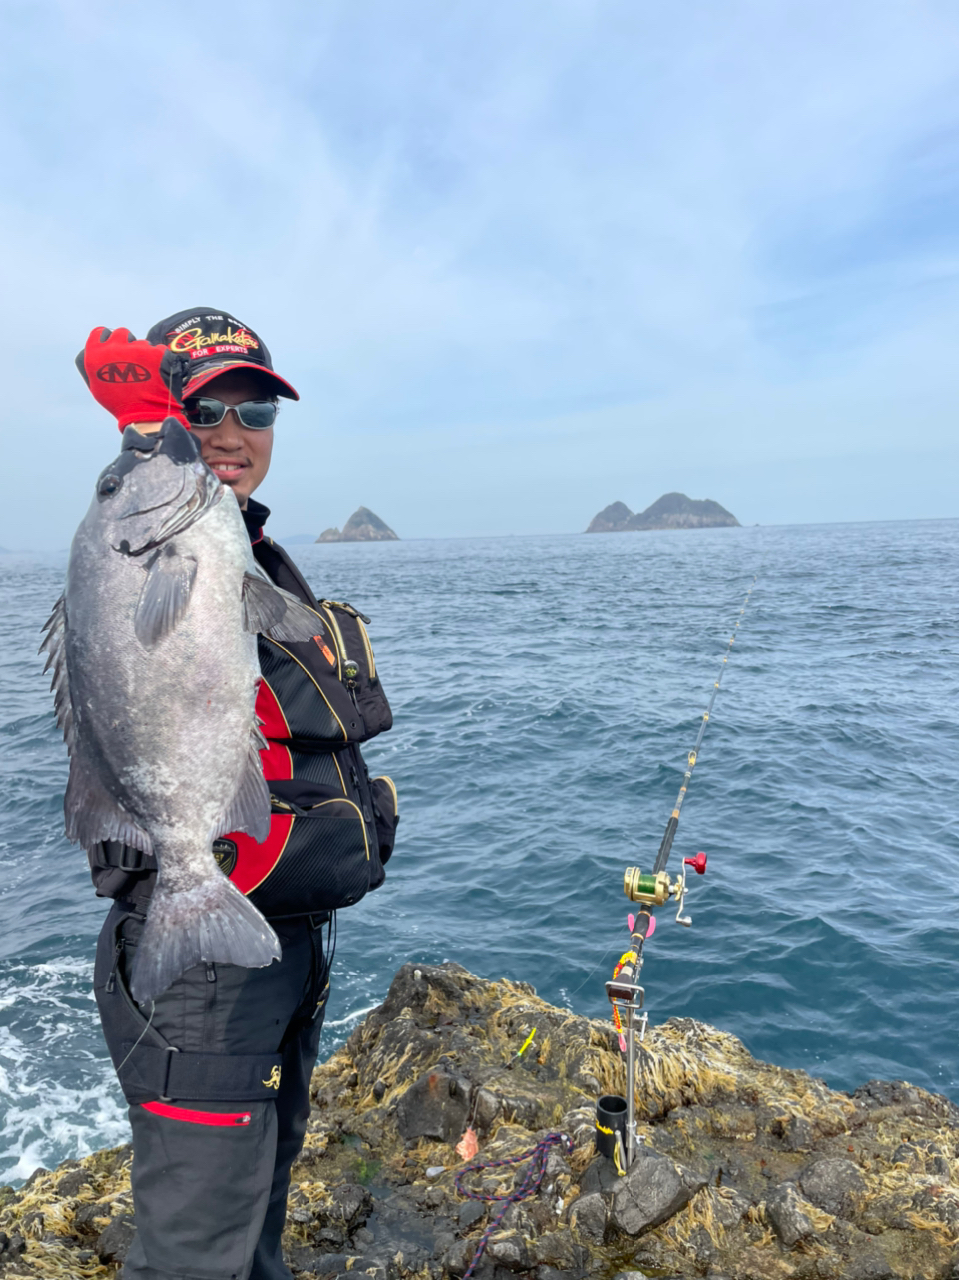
<point x="136" y="381"/>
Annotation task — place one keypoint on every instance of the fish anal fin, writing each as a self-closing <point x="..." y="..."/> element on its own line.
<point x="165" y="595"/>
<point x="249" y="808"/>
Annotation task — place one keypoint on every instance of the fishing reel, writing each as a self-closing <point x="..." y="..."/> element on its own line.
<point x="654" y="889"/>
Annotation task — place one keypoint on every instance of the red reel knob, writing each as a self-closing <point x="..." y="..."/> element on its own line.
<point x="698" y="863"/>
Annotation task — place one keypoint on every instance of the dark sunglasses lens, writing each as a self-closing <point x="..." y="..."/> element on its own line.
<point x="203" y="411"/>
<point x="257" y="414"/>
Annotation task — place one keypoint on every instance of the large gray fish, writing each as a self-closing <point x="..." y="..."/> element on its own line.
<point x="154" y="657"/>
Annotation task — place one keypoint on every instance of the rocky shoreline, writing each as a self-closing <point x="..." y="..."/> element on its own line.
<point x="749" y="1172"/>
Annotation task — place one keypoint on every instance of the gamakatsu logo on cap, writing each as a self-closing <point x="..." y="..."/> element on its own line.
<point x="196" y="339"/>
<point x="123" y="373"/>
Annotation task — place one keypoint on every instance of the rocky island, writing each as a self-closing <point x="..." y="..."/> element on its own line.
<point x="671" y="511"/>
<point x="363" y="525"/>
<point x="748" y="1171"/>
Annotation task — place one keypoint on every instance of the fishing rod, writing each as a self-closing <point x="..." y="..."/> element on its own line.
<point x="651" y="890"/>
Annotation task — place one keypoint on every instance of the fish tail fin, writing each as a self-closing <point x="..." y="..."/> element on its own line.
<point x="210" y="922"/>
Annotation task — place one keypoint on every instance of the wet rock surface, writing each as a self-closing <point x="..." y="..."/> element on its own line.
<point x="747" y="1171"/>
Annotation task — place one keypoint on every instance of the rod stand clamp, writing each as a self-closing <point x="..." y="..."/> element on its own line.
<point x="625" y="995"/>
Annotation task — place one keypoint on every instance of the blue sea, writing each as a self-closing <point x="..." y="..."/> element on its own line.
<point x="546" y="692"/>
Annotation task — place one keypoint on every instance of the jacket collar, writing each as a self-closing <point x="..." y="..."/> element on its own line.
<point x="255" y="517"/>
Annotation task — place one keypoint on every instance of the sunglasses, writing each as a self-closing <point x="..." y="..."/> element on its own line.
<point x="256" y="415"/>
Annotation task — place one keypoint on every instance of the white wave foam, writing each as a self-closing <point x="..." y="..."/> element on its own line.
<point x="350" y="1018"/>
<point x="59" y="1098"/>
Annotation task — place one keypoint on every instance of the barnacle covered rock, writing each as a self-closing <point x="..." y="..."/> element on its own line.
<point x="749" y="1171"/>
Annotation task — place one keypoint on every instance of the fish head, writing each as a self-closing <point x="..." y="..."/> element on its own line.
<point x="158" y="486"/>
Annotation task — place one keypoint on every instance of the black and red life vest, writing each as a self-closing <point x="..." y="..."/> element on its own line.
<point x="332" y="826"/>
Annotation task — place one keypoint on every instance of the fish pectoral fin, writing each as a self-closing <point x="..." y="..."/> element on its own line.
<point x="249" y="809"/>
<point x="165" y="595"/>
<point x="54" y="645"/>
<point x="91" y="814"/>
<point x="270" y="610"/>
<point x="262" y="603"/>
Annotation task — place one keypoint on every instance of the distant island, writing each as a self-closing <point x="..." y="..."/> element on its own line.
<point x="671" y="511"/>
<point x="363" y="526"/>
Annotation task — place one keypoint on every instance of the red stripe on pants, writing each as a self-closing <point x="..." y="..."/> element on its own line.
<point x="231" y="1118"/>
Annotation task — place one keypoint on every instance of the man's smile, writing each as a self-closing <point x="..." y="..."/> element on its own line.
<point x="227" y="469"/>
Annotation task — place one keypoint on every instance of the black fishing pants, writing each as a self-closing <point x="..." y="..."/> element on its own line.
<point x="218" y="1085"/>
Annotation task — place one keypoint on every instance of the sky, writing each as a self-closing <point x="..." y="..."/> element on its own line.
<point x="521" y="260"/>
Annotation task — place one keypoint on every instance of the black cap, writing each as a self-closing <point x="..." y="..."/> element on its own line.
<point x="212" y="342"/>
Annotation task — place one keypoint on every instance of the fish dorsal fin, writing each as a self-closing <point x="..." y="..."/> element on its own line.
<point x="270" y="610"/>
<point x="91" y="814"/>
<point x="54" y="645"/>
<point x="165" y="594"/>
<point x="249" y="809"/>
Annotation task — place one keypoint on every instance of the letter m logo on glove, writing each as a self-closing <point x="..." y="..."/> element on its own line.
<point x="114" y="372"/>
<point x="135" y="381"/>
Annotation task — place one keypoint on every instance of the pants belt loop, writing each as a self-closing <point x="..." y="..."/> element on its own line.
<point x="171" y="1049"/>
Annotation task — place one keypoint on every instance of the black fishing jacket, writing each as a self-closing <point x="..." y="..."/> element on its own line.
<point x="332" y="826"/>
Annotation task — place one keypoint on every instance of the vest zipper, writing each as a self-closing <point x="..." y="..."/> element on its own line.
<point x="355" y="779"/>
<point x="337" y="634"/>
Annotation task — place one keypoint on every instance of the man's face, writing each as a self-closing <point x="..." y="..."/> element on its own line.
<point x="238" y="456"/>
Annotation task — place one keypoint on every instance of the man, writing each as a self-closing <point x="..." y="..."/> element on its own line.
<point x="217" y="1072"/>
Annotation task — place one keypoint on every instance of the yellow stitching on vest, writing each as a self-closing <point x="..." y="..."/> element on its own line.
<point x="392" y="786"/>
<point x="359" y="814"/>
<point x="336" y="764"/>
<point x="276" y="863"/>
<point x="339" y="643"/>
<point x="274" y="1080"/>
<point x="368" y="647"/>
<point x="346" y="737"/>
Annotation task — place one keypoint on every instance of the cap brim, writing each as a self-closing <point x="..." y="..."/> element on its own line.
<point x="279" y="385"/>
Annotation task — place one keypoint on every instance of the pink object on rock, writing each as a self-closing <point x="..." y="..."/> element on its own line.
<point x="467" y="1146"/>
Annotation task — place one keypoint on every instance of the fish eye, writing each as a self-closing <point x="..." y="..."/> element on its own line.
<point x="108" y="486"/>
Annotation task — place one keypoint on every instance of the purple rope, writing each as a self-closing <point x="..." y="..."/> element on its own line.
<point x="528" y="1187"/>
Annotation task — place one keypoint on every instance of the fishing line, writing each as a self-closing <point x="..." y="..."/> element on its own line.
<point x="673" y="823"/>
<point x="650" y="890"/>
<point x="153" y="1009"/>
<point x="596" y="967"/>
<point x="667" y="840"/>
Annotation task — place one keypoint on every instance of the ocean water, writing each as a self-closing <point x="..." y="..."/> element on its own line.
<point x="546" y="692"/>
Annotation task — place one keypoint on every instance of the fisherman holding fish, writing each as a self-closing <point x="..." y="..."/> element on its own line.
<point x="213" y="710"/>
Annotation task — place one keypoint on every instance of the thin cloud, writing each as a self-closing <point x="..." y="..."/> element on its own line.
<point x="564" y="246"/>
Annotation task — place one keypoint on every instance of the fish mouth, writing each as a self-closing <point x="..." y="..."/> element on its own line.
<point x="207" y="492"/>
